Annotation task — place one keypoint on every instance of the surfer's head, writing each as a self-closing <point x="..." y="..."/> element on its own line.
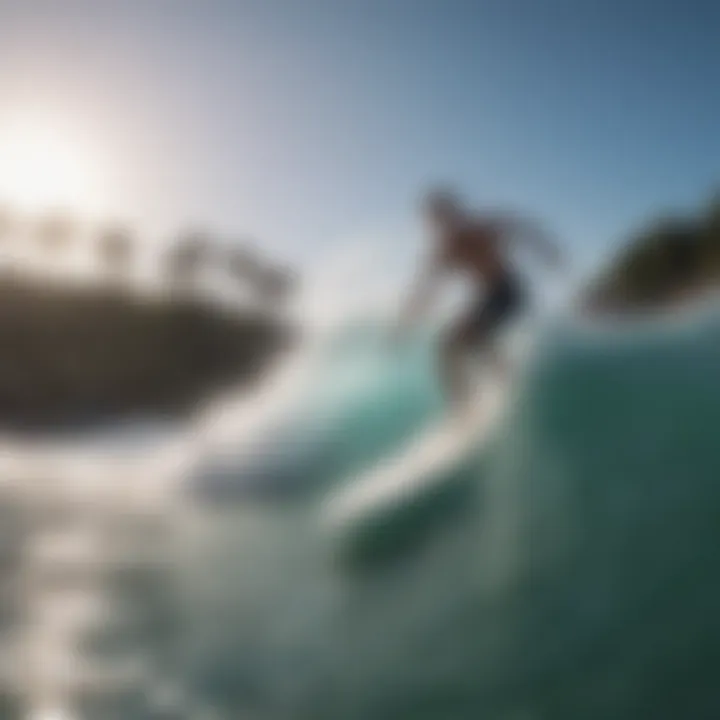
<point x="442" y="206"/>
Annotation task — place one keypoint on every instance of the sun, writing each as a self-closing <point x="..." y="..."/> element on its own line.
<point x="41" y="166"/>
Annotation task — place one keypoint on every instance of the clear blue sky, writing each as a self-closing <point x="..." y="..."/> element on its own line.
<point x="305" y="121"/>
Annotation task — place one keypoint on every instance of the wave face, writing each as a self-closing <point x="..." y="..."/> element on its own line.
<point x="570" y="573"/>
<point x="354" y="401"/>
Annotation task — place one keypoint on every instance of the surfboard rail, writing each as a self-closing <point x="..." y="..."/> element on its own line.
<point x="419" y="467"/>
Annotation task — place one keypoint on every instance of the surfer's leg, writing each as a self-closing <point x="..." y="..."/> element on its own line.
<point x="502" y="304"/>
<point x="454" y="374"/>
<point x="476" y="333"/>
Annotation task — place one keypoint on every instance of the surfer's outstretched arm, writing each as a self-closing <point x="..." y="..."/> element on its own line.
<point x="422" y="294"/>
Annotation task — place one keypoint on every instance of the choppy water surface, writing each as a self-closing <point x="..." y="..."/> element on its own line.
<point x="565" y="570"/>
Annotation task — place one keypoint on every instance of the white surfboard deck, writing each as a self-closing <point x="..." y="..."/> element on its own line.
<point x="421" y="465"/>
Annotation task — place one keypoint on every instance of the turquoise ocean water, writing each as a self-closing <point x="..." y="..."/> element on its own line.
<point x="567" y="568"/>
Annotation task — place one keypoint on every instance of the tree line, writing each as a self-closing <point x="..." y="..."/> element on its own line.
<point x="671" y="258"/>
<point x="116" y="249"/>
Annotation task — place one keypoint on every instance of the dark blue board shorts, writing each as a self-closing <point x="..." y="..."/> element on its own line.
<point x="500" y="303"/>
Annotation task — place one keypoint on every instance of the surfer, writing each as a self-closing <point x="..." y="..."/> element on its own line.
<point x="476" y="246"/>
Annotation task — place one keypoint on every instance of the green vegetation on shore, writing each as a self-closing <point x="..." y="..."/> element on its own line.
<point x="74" y="354"/>
<point x="669" y="260"/>
<point x="80" y="354"/>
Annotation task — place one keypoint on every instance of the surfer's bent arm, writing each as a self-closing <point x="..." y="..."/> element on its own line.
<point x="532" y="234"/>
<point x="422" y="293"/>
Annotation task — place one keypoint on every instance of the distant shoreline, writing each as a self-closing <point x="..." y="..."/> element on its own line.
<point x="78" y="357"/>
<point x="668" y="263"/>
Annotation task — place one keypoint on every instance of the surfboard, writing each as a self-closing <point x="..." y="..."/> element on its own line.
<point x="423" y="464"/>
